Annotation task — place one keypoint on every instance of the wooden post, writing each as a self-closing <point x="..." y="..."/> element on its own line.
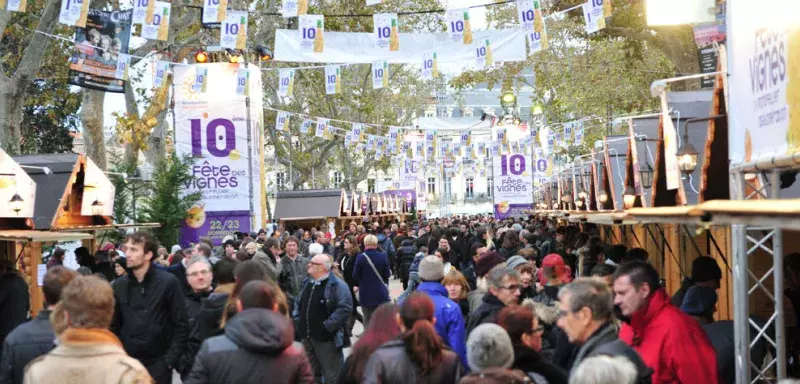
<point x="33" y="253"/>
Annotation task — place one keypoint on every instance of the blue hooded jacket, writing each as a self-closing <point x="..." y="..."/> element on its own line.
<point x="449" y="321"/>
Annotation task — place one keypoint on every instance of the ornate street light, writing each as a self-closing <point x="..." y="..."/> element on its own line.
<point x="16" y="203"/>
<point x="629" y="197"/>
<point x="97" y="208"/>
<point x="602" y="198"/>
<point x="579" y="203"/>
<point x="687" y="156"/>
<point x="647" y="176"/>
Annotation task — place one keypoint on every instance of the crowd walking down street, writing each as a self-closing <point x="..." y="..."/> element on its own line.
<point x="281" y="312"/>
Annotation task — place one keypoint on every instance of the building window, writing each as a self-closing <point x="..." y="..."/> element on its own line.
<point x="448" y="187"/>
<point x="280" y="181"/>
<point x="371" y="185"/>
<point x="430" y="114"/>
<point x="470" y="188"/>
<point x="431" y="185"/>
<point x="337" y="179"/>
<point x="489" y="186"/>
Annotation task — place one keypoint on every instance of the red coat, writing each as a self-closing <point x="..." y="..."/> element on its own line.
<point x="671" y="342"/>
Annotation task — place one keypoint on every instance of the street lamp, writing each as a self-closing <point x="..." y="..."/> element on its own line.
<point x="647" y="176"/>
<point x="97" y="208"/>
<point x="579" y="203"/>
<point x="629" y="197"/>
<point x="16" y="203"/>
<point x="602" y="197"/>
<point x="537" y="109"/>
<point x="687" y="156"/>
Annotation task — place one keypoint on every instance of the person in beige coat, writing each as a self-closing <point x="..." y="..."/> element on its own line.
<point x="87" y="352"/>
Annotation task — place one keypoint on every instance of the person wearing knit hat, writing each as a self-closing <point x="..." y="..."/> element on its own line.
<point x="705" y="272"/>
<point x="701" y="302"/>
<point x="486" y="262"/>
<point x="488" y="346"/>
<point x="449" y="321"/>
<point x="515" y="261"/>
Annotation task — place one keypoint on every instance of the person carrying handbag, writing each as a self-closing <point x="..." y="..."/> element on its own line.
<point x="371" y="274"/>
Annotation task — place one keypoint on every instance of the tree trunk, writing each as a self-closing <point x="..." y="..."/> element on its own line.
<point x="92" y="120"/>
<point x="12" y="89"/>
<point x="11" y="103"/>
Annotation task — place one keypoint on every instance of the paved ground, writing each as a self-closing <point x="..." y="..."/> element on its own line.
<point x="395" y="287"/>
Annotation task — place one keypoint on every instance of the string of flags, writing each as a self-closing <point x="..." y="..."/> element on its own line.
<point x="425" y="144"/>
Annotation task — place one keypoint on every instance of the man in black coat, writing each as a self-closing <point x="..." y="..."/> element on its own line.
<point x="405" y="257"/>
<point x="200" y="275"/>
<point x="14" y="299"/>
<point x="150" y="312"/>
<point x="504" y="285"/>
<point x="36" y="337"/>
<point x="587" y="306"/>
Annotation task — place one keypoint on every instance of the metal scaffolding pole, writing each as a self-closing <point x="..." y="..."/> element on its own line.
<point x="747" y="240"/>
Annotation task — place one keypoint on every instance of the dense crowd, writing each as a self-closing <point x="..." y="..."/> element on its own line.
<point x="483" y="301"/>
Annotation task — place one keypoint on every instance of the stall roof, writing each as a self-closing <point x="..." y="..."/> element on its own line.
<point x="42" y="236"/>
<point x="111" y="226"/>
<point x="681" y="214"/>
<point x="617" y="156"/>
<point x="50" y="188"/>
<point x="782" y="213"/>
<point x="308" y="204"/>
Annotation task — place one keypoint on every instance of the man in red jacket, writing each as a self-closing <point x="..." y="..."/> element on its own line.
<point x="669" y="341"/>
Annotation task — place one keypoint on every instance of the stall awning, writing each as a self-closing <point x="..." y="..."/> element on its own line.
<point x="767" y="213"/>
<point x="610" y="218"/>
<point x="43" y="236"/>
<point x="669" y="215"/>
<point x="308" y="205"/>
<point x="79" y="228"/>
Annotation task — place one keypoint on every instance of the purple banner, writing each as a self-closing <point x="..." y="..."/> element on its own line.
<point x="215" y="225"/>
<point x="409" y="195"/>
<point x="505" y="210"/>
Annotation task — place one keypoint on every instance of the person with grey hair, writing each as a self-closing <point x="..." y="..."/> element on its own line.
<point x="371" y="275"/>
<point x="503" y="289"/>
<point x="199" y="275"/>
<point x="586" y="312"/>
<point x="604" y="370"/>
<point x="322" y="308"/>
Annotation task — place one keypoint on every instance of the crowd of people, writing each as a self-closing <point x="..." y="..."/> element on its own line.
<point x="483" y="301"/>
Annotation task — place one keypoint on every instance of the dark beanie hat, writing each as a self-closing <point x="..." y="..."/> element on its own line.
<point x="487" y="261"/>
<point x="705" y="268"/>
<point x="699" y="300"/>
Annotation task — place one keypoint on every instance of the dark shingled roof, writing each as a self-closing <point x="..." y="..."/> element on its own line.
<point x="49" y="188"/>
<point x="308" y="204"/>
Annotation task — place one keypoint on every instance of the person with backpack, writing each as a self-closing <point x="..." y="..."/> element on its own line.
<point x="371" y="273"/>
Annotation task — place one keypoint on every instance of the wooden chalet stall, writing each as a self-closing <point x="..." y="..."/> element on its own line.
<point x="320" y="208"/>
<point x="71" y="195"/>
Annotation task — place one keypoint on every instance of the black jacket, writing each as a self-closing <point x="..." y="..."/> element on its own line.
<point x="405" y="257"/>
<point x="211" y="311"/>
<point x="485" y="313"/>
<point x="25" y="343"/>
<point x="150" y="317"/>
<point x="194" y="302"/>
<point x="530" y="362"/>
<point x="179" y="271"/>
<point x="604" y="341"/>
<point x="507" y="253"/>
<point x="422" y="241"/>
<point x="14" y="303"/>
<point x="107" y="270"/>
<point x="390" y="364"/>
<point x="257" y="347"/>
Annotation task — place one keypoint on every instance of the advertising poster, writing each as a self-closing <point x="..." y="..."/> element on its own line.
<point x="98" y="46"/>
<point x="513" y="189"/>
<point x="764" y="78"/>
<point x="212" y="127"/>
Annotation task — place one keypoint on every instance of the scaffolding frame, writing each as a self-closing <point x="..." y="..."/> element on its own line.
<point x="745" y="241"/>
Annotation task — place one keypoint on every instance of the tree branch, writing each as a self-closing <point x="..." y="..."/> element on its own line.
<point x="32" y="57"/>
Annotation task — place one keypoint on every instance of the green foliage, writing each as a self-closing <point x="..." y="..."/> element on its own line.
<point x="50" y="115"/>
<point x="166" y="204"/>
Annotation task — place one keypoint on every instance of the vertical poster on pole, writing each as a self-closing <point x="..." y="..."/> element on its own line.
<point x="98" y="49"/>
<point x="513" y="189"/>
<point x="212" y="127"/>
<point x="764" y="77"/>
